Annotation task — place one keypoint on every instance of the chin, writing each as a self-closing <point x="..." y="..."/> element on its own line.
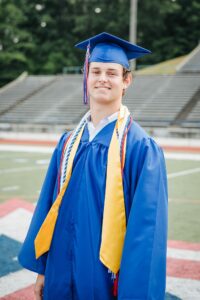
<point x="103" y="100"/>
<point x="100" y="98"/>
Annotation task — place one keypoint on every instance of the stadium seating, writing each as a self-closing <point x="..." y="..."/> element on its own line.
<point x="22" y="90"/>
<point x="56" y="103"/>
<point x="154" y="100"/>
<point x="192" y="63"/>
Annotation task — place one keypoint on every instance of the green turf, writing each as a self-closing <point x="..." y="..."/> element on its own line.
<point x="186" y="187"/>
<point x="184" y="221"/>
<point x="21" y="175"/>
<point x="184" y="191"/>
<point x="184" y="201"/>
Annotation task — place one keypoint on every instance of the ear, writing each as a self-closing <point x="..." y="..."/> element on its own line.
<point x="128" y="80"/>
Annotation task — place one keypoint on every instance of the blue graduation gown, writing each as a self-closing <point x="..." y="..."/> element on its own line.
<point x="72" y="267"/>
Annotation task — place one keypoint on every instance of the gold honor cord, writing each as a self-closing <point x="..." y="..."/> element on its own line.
<point x="45" y="234"/>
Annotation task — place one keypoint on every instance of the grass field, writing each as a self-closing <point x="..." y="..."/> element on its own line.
<point x="22" y="174"/>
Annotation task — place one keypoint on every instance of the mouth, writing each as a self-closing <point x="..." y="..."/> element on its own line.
<point x="103" y="87"/>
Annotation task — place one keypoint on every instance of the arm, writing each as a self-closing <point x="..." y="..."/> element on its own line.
<point x="143" y="266"/>
<point x="39" y="286"/>
<point x="47" y="196"/>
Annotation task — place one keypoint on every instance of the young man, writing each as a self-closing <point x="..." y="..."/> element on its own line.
<point x="99" y="230"/>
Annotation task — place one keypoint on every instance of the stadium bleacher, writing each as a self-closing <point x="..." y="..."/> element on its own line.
<point x="57" y="103"/>
<point x="154" y="100"/>
<point x="21" y="91"/>
<point x="192" y="62"/>
<point x="193" y="118"/>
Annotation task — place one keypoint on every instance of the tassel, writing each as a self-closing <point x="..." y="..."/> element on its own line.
<point x="85" y="75"/>
<point x="115" y="285"/>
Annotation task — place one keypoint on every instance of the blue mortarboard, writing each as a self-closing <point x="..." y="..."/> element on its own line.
<point x="108" y="48"/>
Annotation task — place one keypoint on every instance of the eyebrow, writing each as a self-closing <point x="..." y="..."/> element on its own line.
<point x="110" y="69"/>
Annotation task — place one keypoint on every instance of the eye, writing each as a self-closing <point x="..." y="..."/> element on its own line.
<point x="112" y="74"/>
<point x="96" y="72"/>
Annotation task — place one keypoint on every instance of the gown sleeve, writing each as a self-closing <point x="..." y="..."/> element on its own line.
<point x="143" y="267"/>
<point x="47" y="196"/>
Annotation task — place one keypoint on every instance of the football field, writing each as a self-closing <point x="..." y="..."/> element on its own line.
<point x="22" y="173"/>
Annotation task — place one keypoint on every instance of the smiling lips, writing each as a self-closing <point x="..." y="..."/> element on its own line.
<point x="102" y="87"/>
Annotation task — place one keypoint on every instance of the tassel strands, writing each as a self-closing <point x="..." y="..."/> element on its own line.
<point x="62" y="156"/>
<point x="86" y="69"/>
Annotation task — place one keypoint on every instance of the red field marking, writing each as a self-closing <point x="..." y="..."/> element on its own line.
<point x="181" y="148"/>
<point x="184" y="245"/>
<point x="182" y="268"/>
<point x="13" y="204"/>
<point x="23" y="294"/>
<point x="170" y="148"/>
<point x="28" y="142"/>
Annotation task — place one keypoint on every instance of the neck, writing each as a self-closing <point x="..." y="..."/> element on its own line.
<point x="99" y="111"/>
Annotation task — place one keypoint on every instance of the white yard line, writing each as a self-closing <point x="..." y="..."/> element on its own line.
<point x="32" y="149"/>
<point x="184" y="173"/>
<point x="25" y="169"/>
<point x="16" y="281"/>
<point x="186" y="289"/>
<point x="10" y="188"/>
<point x="15" y="224"/>
<point x="183" y="254"/>
<point x="182" y="156"/>
<point x="20" y="160"/>
<point x="42" y="161"/>
<point x="175" y="141"/>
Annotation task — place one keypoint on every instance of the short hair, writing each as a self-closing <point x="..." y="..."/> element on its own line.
<point x="125" y="74"/>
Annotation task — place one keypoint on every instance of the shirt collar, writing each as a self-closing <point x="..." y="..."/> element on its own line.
<point x="105" y="120"/>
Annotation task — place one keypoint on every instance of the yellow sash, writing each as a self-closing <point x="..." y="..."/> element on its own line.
<point x="114" y="218"/>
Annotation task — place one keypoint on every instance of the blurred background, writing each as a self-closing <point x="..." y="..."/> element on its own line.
<point x="41" y="97"/>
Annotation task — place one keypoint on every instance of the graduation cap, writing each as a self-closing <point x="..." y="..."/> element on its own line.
<point x="108" y="48"/>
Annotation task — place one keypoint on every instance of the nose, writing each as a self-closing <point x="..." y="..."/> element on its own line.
<point x="102" y="77"/>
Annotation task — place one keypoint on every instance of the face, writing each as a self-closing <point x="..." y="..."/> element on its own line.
<point x="105" y="82"/>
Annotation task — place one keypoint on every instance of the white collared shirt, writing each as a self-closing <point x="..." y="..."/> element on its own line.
<point x="93" y="131"/>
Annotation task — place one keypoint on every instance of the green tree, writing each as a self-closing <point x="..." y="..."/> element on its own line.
<point x="13" y="40"/>
<point x="169" y="28"/>
<point x="39" y="35"/>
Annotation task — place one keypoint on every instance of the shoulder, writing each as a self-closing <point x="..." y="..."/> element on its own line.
<point x="137" y="133"/>
<point x="60" y="145"/>
<point x="141" y="145"/>
<point x="64" y="137"/>
<point x="137" y="136"/>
